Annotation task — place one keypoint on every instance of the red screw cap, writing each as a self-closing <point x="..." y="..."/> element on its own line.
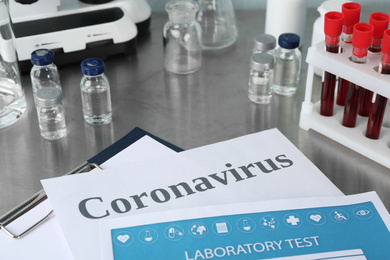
<point x="333" y="23"/>
<point x="362" y="38"/>
<point x="380" y="21"/>
<point x="386" y="42"/>
<point x="351" y="13"/>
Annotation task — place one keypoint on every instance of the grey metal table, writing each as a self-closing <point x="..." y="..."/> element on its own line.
<point x="189" y="111"/>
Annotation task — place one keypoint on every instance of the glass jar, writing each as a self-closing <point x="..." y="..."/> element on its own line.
<point x="182" y="38"/>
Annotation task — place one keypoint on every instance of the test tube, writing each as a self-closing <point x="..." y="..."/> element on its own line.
<point x="362" y="35"/>
<point x="380" y="21"/>
<point x="375" y="118"/>
<point x="351" y="12"/>
<point x="333" y="25"/>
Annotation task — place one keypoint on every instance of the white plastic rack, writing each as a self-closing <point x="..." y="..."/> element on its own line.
<point x="364" y="75"/>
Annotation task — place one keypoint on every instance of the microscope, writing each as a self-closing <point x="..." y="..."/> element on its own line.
<point x="77" y="29"/>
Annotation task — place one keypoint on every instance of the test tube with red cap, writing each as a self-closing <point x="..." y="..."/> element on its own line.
<point x="375" y="118"/>
<point x="361" y="41"/>
<point x="351" y="12"/>
<point x="380" y="21"/>
<point x="333" y="27"/>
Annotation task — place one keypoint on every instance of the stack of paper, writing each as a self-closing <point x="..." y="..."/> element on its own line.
<point x="255" y="167"/>
<point x="99" y="212"/>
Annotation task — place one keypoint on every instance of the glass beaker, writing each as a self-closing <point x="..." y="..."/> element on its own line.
<point x="12" y="99"/>
<point x="182" y="38"/>
<point x="218" y="21"/>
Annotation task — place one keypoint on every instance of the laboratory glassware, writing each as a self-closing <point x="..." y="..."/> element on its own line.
<point x="333" y="27"/>
<point x="351" y="12"/>
<point x="287" y="65"/>
<point x="12" y="98"/>
<point x="362" y="36"/>
<point x="217" y="19"/>
<point x="260" y="78"/>
<point x="182" y="37"/>
<point x="95" y="92"/>
<point x="50" y="113"/>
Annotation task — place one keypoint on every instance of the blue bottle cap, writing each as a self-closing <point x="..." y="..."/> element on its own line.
<point x="92" y="67"/>
<point x="289" y="41"/>
<point x="42" y="57"/>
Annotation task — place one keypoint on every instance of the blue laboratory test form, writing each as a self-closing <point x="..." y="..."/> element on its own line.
<point x="351" y="227"/>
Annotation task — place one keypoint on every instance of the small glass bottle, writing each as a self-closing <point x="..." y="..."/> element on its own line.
<point x="50" y="113"/>
<point x="287" y="65"/>
<point x="182" y="38"/>
<point x="264" y="43"/>
<point x="95" y="92"/>
<point x="260" y="78"/>
<point x="44" y="72"/>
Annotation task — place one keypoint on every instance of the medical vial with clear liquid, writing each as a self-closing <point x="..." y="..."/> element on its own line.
<point x="50" y="113"/>
<point x="260" y="78"/>
<point x="95" y="92"/>
<point x="287" y="65"/>
<point x="44" y="72"/>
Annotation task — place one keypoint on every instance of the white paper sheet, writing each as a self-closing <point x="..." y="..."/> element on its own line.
<point x="255" y="167"/>
<point x="237" y="231"/>
<point x="47" y="240"/>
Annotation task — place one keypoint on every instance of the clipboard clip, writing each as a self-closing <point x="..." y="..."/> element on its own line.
<point x="34" y="201"/>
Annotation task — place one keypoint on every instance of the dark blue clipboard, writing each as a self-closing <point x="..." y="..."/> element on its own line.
<point x="94" y="162"/>
<point x="130" y="138"/>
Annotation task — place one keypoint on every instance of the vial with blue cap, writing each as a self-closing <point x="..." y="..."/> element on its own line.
<point x="95" y="92"/>
<point x="44" y="72"/>
<point x="287" y="65"/>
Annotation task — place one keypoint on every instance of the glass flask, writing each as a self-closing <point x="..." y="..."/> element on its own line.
<point x="182" y="38"/>
<point x="218" y="21"/>
<point x="12" y="99"/>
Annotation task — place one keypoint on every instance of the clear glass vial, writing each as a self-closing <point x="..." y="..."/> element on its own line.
<point x="260" y="78"/>
<point x="182" y="38"/>
<point x="44" y="72"/>
<point x="95" y="92"/>
<point x="287" y="65"/>
<point x="50" y="113"/>
<point x="264" y="43"/>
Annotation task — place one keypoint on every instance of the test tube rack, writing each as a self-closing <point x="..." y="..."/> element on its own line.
<point x="364" y="75"/>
